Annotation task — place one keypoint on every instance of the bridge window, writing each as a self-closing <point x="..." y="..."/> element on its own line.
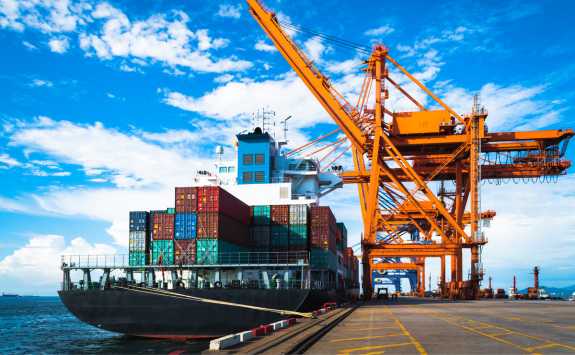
<point x="259" y="176"/>
<point x="248" y="176"/>
<point x="260" y="159"/>
<point x="248" y="159"/>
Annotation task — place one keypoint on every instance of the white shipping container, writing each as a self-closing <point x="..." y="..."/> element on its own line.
<point x="298" y="214"/>
<point x="137" y="241"/>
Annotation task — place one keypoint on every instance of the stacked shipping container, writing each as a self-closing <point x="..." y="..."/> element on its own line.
<point x="162" y="252"/>
<point x="260" y="228"/>
<point x="185" y="252"/>
<point x="186" y="199"/>
<point x="323" y="234"/>
<point x="208" y="223"/>
<point x="342" y="236"/>
<point x="323" y="228"/>
<point x="138" y="238"/>
<point x="222" y="224"/>
<point x="162" y="237"/>
<point x="185" y="225"/>
<point x="298" y="228"/>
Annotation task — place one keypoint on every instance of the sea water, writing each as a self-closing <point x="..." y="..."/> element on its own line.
<point x="43" y="325"/>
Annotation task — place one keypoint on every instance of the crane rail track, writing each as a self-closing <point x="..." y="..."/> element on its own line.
<point x="309" y="341"/>
<point x="281" y="344"/>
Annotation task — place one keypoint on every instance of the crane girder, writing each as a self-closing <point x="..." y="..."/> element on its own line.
<point x="489" y="171"/>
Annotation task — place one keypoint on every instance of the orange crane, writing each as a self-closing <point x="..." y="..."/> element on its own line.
<point x="397" y="155"/>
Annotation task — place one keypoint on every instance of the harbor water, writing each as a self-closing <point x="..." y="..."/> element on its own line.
<point x="43" y="325"/>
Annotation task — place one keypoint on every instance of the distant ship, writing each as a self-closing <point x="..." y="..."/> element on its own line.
<point x="9" y="295"/>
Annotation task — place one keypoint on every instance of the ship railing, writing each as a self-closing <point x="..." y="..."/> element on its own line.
<point x="252" y="258"/>
<point x="205" y="259"/>
<point x="95" y="261"/>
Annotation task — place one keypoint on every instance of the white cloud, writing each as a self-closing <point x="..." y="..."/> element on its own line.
<point x="107" y="32"/>
<point x="115" y="97"/>
<point x="510" y="107"/>
<point x="111" y="205"/>
<point x="344" y="67"/>
<point x="236" y="99"/>
<point x="41" y="83"/>
<point x="59" y="45"/>
<point x="223" y="78"/>
<point x="129" y="69"/>
<point x="226" y="10"/>
<point x="47" y="16"/>
<point x="378" y="31"/>
<point x="38" y="262"/>
<point x="131" y="161"/>
<point x="14" y="205"/>
<point x="446" y="36"/>
<point x="541" y="214"/>
<point x="6" y="161"/>
<point x="314" y="48"/>
<point x="29" y="45"/>
<point x="163" y="38"/>
<point x="264" y="47"/>
<point x="142" y="172"/>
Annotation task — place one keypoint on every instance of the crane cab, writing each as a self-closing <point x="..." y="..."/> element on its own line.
<point x="422" y="122"/>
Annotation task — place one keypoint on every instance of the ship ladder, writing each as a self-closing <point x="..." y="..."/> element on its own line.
<point x="212" y="301"/>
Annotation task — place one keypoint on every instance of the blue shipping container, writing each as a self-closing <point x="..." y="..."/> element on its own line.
<point x="139" y="221"/>
<point x="185" y="226"/>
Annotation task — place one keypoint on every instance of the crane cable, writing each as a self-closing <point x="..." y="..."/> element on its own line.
<point x="212" y="301"/>
<point x="336" y="40"/>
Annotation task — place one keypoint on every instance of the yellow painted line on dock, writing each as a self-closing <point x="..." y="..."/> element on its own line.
<point x="404" y="330"/>
<point x="531" y="320"/>
<point x="459" y="322"/>
<point x="368" y="329"/>
<point x="366" y="338"/>
<point x="544" y="346"/>
<point x="371" y="347"/>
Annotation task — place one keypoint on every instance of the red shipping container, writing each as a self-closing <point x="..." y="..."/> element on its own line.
<point x="186" y="199"/>
<point x="280" y="214"/>
<point x="216" y="199"/>
<point x="162" y="226"/>
<point x="185" y="252"/>
<point x="213" y="225"/>
<point x="323" y="228"/>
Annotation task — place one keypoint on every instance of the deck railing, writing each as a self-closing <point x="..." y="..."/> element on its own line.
<point x="203" y="260"/>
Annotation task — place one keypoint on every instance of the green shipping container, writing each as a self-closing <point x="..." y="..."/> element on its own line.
<point x="165" y="249"/>
<point x="137" y="258"/>
<point x="342" y="243"/>
<point x="217" y="251"/>
<point x="323" y="259"/>
<point x="170" y="210"/>
<point x="280" y="238"/>
<point x="298" y="236"/>
<point x="261" y="215"/>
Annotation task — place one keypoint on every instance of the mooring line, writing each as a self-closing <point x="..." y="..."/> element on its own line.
<point x="212" y="301"/>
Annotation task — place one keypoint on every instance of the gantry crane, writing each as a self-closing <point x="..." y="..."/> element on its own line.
<point x="397" y="155"/>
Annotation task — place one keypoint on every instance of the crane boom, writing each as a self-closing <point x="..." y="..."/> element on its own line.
<point x="318" y="84"/>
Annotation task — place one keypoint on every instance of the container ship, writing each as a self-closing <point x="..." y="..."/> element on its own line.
<point x="245" y="244"/>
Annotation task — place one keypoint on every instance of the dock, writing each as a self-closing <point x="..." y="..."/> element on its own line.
<point x="430" y="326"/>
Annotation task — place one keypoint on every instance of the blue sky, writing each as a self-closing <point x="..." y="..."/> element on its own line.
<point x="105" y="106"/>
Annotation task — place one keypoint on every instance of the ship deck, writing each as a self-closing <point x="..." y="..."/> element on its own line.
<point x="428" y="326"/>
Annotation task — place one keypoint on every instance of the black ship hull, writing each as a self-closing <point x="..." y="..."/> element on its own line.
<point x="157" y="316"/>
